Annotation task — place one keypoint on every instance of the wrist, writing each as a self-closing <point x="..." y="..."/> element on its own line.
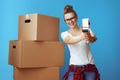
<point x="93" y="39"/>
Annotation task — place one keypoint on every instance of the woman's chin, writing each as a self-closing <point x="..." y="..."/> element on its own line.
<point x="72" y="26"/>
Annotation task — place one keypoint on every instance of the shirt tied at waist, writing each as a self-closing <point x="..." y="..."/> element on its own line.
<point x="79" y="70"/>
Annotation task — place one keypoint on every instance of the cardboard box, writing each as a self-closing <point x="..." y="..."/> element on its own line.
<point x="38" y="27"/>
<point x="50" y="73"/>
<point x="27" y="54"/>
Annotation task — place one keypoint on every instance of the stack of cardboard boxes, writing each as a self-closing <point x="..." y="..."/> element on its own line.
<point x="37" y="54"/>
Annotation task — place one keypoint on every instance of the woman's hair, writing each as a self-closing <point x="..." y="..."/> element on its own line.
<point x="69" y="9"/>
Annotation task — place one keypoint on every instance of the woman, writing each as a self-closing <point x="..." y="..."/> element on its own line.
<point x="81" y="66"/>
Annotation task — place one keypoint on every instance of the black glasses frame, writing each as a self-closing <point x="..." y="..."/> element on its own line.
<point x="70" y="19"/>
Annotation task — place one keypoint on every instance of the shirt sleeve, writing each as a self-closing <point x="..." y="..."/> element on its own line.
<point x="64" y="35"/>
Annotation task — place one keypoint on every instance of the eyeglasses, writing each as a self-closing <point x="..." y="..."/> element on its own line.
<point x="66" y="20"/>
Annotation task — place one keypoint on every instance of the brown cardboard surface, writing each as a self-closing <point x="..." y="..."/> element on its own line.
<point x="28" y="53"/>
<point x="50" y="73"/>
<point x="38" y="27"/>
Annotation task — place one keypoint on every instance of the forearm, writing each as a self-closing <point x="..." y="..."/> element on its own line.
<point x="73" y="39"/>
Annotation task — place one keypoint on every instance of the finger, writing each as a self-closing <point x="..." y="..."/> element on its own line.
<point x="86" y="38"/>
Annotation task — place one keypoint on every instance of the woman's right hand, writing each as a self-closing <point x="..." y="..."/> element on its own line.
<point x="86" y="36"/>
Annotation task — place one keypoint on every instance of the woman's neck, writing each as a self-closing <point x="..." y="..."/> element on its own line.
<point x="76" y="28"/>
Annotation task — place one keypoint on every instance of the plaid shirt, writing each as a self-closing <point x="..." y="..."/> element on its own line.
<point x="79" y="70"/>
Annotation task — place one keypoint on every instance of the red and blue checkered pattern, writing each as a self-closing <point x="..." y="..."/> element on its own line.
<point x="79" y="70"/>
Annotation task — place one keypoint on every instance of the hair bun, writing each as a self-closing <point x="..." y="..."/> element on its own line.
<point x="68" y="7"/>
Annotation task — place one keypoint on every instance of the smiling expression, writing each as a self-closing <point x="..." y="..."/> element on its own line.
<point x="70" y="19"/>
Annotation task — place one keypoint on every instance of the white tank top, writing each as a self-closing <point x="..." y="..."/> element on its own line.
<point x="80" y="53"/>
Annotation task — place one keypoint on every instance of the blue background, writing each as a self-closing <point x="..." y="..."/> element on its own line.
<point x="105" y="23"/>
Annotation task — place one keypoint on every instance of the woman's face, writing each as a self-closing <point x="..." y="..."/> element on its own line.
<point x="70" y="19"/>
